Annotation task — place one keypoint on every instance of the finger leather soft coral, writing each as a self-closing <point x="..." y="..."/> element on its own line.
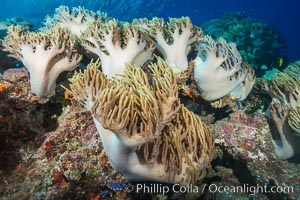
<point x="283" y="113"/>
<point x="146" y="133"/>
<point x="219" y="70"/>
<point x="76" y="21"/>
<point x="117" y="45"/>
<point x="45" y="54"/>
<point x="174" y="39"/>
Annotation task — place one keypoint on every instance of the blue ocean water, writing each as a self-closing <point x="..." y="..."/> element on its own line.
<point x="282" y="14"/>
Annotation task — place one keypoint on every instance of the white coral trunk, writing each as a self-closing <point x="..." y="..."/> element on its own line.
<point x="124" y="159"/>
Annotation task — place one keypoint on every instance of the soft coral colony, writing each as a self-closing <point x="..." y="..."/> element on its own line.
<point x="284" y="111"/>
<point x="45" y="54"/>
<point x="146" y="132"/>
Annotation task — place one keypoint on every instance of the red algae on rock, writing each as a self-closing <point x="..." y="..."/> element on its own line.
<point x="15" y="74"/>
<point x="244" y="140"/>
<point x="69" y="156"/>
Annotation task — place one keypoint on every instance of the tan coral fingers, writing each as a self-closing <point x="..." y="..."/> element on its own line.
<point x="294" y="119"/>
<point x="85" y="86"/>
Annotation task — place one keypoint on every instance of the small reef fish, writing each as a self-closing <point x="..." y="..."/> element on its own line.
<point x="280" y="61"/>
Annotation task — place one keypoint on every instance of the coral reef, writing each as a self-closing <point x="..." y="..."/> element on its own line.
<point x="161" y="105"/>
<point x="69" y="162"/>
<point x="23" y="120"/>
<point x="259" y="43"/>
<point x="45" y="54"/>
<point x="15" y="22"/>
<point x="293" y="69"/>
<point x="70" y="155"/>
<point x="245" y="156"/>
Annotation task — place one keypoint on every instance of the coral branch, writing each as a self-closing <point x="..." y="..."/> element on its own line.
<point x="85" y="86"/>
<point x="166" y="90"/>
<point x="294" y="120"/>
